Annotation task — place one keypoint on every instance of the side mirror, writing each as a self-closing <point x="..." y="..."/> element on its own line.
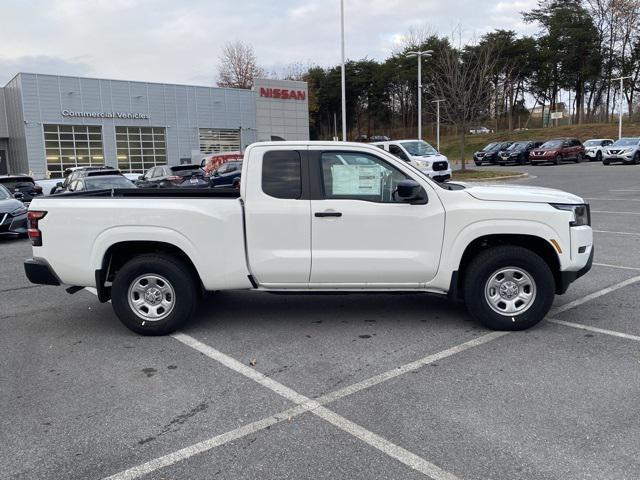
<point x="59" y="185"/>
<point x="412" y="192"/>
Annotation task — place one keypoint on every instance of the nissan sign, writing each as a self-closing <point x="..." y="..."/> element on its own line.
<point x="120" y="115"/>
<point x="283" y="93"/>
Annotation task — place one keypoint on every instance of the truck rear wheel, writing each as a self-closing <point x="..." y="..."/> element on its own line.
<point x="508" y="288"/>
<point x="154" y="294"/>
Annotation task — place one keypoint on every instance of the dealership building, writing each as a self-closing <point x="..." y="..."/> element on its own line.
<point x="52" y="122"/>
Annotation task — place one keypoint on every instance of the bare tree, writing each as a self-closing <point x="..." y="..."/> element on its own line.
<point x="238" y="67"/>
<point x="463" y="81"/>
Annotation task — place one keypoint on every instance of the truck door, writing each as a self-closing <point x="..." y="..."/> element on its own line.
<point x="363" y="236"/>
<point x="277" y="214"/>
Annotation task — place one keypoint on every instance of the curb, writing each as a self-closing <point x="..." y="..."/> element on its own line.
<point x="492" y="179"/>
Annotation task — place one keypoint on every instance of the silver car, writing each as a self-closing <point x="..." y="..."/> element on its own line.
<point x="625" y="150"/>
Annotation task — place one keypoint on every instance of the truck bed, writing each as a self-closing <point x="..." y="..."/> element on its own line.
<point x="154" y="193"/>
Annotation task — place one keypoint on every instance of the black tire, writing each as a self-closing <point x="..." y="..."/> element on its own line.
<point x="598" y="156"/>
<point x="521" y="160"/>
<point x="180" y="279"/>
<point x="478" y="164"/>
<point x="557" y="160"/>
<point x="482" y="269"/>
<point x="636" y="158"/>
<point x="578" y="158"/>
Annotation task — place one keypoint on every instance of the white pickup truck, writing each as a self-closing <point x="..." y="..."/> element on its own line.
<point x="315" y="217"/>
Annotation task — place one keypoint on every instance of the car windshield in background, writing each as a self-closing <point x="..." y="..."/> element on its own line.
<point x="552" y="144"/>
<point x="12" y="183"/>
<point x="98" y="183"/>
<point x="4" y="193"/>
<point x="592" y="143"/>
<point x="419" y="148"/>
<point x="626" y="142"/>
<point x="187" y="170"/>
<point x="491" y="146"/>
<point x="517" y="146"/>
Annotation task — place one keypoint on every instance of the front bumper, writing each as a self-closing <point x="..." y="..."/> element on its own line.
<point x="39" y="271"/>
<point x="13" y="225"/>
<point x="567" y="278"/>
<point x="625" y="158"/>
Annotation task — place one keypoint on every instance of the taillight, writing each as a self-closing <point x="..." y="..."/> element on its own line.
<point x="33" y="217"/>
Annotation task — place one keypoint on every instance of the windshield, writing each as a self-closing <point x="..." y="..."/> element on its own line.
<point x="592" y="143"/>
<point x="4" y="193"/>
<point x="626" y="142"/>
<point x="12" y="183"/>
<point x="517" y="146"/>
<point x="552" y="144"/>
<point x="491" y="146"/>
<point x="419" y="148"/>
<point x="98" y="183"/>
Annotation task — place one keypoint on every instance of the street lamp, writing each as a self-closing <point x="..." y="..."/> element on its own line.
<point x="420" y="54"/>
<point x="438" y="102"/>
<point x="620" y="104"/>
<point x="342" y="75"/>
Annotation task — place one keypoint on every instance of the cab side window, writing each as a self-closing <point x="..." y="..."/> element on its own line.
<point x="359" y="176"/>
<point x="282" y="174"/>
<point x="398" y="152"/>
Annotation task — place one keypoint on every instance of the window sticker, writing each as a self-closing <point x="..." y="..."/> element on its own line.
<point x="356" y="179"/>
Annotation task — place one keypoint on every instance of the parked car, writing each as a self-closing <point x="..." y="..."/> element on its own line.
<point x="316" y="217"/>
<point x="213" y="162"/>
<point x="100" y="182"/>
<point x="176" y="176"/>
<point x="24" y="184"/>
<point x="70" y="174"/>
<point x="13" y="214"/>
<point x="625" y="150"/>
<point x="557" y="151"/>
<point x="480" y="130"/>
<point x="517" y="152"/>
<point x="421" y="155"/>
<point x="490" y="153"/>
<point x="594" y="148"/>
<point x="226" y="174"/>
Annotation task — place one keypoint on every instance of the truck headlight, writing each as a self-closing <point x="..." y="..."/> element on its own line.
<point x="581" y="213"/>
<point x="423" y="163"/>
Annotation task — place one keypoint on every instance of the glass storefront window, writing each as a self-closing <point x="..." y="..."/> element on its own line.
<point x="68" y="146"/>
<point x="140" y="148"/>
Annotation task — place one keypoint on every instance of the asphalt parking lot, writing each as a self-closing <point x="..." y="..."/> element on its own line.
<point x="343" y="386"/>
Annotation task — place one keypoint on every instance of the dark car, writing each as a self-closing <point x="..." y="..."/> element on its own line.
<point x="178" y="176"/>
<point x="23" y="184"/>
<point x="557" y="151"/>
<point x="518" y="152"/>
<point x="71" y="174"/>
<point x="100" y="182"/>
<point x="490" y="153"/>
<point x="226" y="174"/>
<point x="13" y="214"/>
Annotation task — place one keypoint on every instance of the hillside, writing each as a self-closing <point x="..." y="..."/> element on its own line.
<point x="450" y="145"/>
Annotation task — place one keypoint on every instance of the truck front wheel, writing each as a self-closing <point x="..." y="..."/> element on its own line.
<point x="508" y="288"/>
<point x="154" y="294"/>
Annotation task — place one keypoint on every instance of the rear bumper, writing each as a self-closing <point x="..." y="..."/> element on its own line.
<point x="39" y="271"/>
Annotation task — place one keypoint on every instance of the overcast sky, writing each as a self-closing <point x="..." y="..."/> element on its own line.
<point x="180" y="40"/>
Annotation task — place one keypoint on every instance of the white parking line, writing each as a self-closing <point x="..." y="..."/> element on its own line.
<point x="614" y="199"/>
<point x="615" y="213"/>
<point x="616" y="266"/>
<point x="408" y="458"/>
<point x="626" y="190"/>
<point x="613" y="333"/>
<point x="616" y="233"/>
<point x="594" y="295"/>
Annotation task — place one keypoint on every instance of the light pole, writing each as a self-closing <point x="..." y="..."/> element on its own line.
<point x="420" y="54"/>
<point x="622" y="79"/>
<point x="438" y="102"/>
<point x="343" y="81"/>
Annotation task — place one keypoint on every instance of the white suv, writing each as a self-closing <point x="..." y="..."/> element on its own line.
<point x="421" y="155"/>
<point x="594" y="148"/>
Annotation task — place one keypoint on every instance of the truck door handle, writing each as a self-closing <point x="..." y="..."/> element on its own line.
<point x="328" y="214"/>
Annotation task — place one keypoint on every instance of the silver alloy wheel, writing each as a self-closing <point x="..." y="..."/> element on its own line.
<point x="510" y="291"/>
<point x="151" y="297"/>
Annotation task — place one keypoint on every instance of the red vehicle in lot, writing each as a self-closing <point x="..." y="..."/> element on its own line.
<point x="557" y="151"/>
<point x="213" y="162"/>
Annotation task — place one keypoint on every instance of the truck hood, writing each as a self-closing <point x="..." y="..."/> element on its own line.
<point x="519" y="193"/>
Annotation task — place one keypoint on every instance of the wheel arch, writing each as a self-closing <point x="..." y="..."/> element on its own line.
<point x="121" y="252"/>
<point x="536" y="244"/>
